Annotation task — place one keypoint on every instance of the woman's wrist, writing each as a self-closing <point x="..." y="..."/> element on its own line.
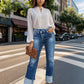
<point x="31" y="42"/>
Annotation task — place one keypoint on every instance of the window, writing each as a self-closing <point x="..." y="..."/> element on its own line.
<point x="63" y="5"/>
<point x="58" y="1"/>
<point x="73" y="5"/>
<point x="68" y="2"/>
<point x="59" y="8"/>
<point x="55" y="3"/>
<point x="55" y="16"/>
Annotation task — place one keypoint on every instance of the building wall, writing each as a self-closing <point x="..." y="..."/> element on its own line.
<point x="63" y="4"/>
<point x="10" y="29"/>
<point x="71" y="3"/>
<point x="57" y="13"/>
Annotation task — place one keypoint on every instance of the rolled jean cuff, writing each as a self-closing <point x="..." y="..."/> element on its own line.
<point x="49" y="79"/>
<point x="28" y="81"/>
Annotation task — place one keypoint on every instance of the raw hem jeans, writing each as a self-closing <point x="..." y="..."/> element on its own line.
<point x="42" y="37"/>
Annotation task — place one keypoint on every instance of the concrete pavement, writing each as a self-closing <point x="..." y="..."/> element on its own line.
<point x="40" y="78"/>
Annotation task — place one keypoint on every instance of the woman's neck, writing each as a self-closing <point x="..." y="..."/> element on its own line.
<point x="39" y="6"/>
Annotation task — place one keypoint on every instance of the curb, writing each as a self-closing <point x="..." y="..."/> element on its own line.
<point x="13" y="43"/>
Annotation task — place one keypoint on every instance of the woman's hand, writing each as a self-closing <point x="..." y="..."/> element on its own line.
<point x="30" y="46"/>
<point x="51" y="30"/>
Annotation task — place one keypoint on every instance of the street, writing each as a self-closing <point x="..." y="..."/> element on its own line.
<point x="68" y="65"/>
<point x="70" y="68"/>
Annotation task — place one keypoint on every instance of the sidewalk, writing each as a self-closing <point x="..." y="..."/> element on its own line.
<point x="40" y="78"/>
<point x="13" y="43"/>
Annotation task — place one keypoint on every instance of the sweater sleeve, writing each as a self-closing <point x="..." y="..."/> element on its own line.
<point x="51" y="20"/>
<point x="29" y="26"/>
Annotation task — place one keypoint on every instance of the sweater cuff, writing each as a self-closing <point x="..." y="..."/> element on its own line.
<point x="28" y="41"/>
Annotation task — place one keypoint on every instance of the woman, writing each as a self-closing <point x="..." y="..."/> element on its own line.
<point x="41" y="30"/>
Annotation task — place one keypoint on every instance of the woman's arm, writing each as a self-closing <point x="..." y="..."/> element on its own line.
<point x="51" y="20"/>
<point x="29" y="27"/>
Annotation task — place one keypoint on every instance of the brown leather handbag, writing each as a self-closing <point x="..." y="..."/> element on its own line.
<point x="33" y="53"/>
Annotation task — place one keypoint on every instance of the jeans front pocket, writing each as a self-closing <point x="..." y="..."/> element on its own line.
<point x="47" y="35"/>
<point x="49" y="32"/>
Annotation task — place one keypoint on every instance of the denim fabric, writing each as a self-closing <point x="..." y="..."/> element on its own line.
<point x="28" y="81"/>
<point x="42" y="37"/>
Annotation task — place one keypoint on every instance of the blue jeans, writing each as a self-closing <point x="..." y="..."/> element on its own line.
<point x="42" y="37"/>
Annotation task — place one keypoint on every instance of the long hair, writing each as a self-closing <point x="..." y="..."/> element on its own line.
<point x="34" y="3"/>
